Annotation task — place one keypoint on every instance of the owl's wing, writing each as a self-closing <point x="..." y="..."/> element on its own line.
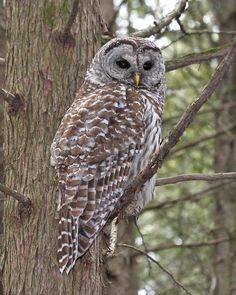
<point x="93" y="151"/>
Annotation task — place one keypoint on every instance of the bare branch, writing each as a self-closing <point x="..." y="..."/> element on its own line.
<point x="190" y="177"/>
<point x="201" y="32"/>
<point x="7" y="96"/>
<point x="213" y="109"/>
<point x="183" y="33"/>
<point x="180" y="127"/>
<point x="24" y="201"/>
<point x="189" y="198"/>
<point x="196" y="58"/>
<point x="168" y="246"/>
<point x="153" y="30"/>
<point x="15" y="101"/>
<point x="157" y="263"/>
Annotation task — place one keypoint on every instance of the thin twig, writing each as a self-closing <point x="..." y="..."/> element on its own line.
<point x="157" y="263"/>
<point x="23" y="200"/>
<point x="201" y="32"/>
<point x="189" y="198"/>
<point x="203" y="139"/>
<point x="197" y="32"/>
<point x="143" y="242"/>
<point x="226" y="106"/>
<point x="153" y="30"/>
<point x="168" y="246"/>
<point x="191" y="177"/>
<point x="196" y="58"/>
<point x="7" y="96"/>
<point x="181" y="26"/>
<point x="180" y="127"/>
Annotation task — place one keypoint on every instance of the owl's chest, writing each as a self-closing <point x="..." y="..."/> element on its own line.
<point x="151" y="132"/>
<point x="151" y="135"/>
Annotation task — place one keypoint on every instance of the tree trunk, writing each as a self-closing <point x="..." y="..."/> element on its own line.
<point x="225" y="160"/>
<point x="45" y="69"/>
<point x="2" y="80"/>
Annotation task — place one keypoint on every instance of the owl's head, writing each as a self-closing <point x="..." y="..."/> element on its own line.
<point x="131" y="60"/>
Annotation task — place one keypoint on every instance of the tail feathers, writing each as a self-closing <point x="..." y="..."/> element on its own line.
<point x="68" y="229"/>
<point x="74" y="240"/>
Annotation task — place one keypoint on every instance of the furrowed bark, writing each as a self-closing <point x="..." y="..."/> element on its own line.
<point x="47" y="74"/>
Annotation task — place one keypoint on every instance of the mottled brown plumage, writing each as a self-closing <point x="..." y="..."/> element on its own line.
<point x="105" y="139"/>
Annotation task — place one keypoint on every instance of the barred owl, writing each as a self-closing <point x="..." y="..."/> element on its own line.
<point x="105" y="139"/>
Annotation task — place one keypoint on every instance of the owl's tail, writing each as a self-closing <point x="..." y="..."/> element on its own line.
<point x="75" y="237"/>
<point x="81" y="221"/>
<point x="67" y="240"/>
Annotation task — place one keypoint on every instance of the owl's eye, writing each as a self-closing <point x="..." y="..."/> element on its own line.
<point x="123" y="64"/>
<point x="148" y="65"/>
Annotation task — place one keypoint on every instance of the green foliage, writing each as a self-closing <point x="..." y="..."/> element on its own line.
<point x="186" y="221"/>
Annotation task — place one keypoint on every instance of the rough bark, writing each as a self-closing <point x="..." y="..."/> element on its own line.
<point x="225" y="160"/>
<point x="2" y="80"/>
<point x="109" y="14"/>
<point x="45" y="70"/>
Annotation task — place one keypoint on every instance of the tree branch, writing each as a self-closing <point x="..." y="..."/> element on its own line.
<point x="24" y="201"/>
<point x="196" y="58"/>
<point x="190" y="177"/>
<point x="7" y="96"/>
<point x="168" y="246"/>
<point x="15" y="101"/>
<point x="157" y="263"/>
<point x="178" y="130"/>
<point x="213" y="109"/>
<point x="189" y="198"/>
<point x="200" y="32"/>
<point x="153" y="30"/>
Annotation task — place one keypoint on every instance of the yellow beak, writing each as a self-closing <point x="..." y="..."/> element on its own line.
<point x="137" y="79"/>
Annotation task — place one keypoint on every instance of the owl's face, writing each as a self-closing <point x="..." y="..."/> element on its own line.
<point x="135" y="61"/>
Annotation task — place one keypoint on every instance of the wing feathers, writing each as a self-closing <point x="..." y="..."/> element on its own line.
<point x="93" y="151"/>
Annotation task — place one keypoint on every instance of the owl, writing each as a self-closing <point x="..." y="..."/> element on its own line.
<point x="105" y="139"/>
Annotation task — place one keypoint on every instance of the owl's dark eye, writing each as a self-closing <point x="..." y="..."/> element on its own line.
<point x="148" y="65"/>
<point x="123" y="64"/>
